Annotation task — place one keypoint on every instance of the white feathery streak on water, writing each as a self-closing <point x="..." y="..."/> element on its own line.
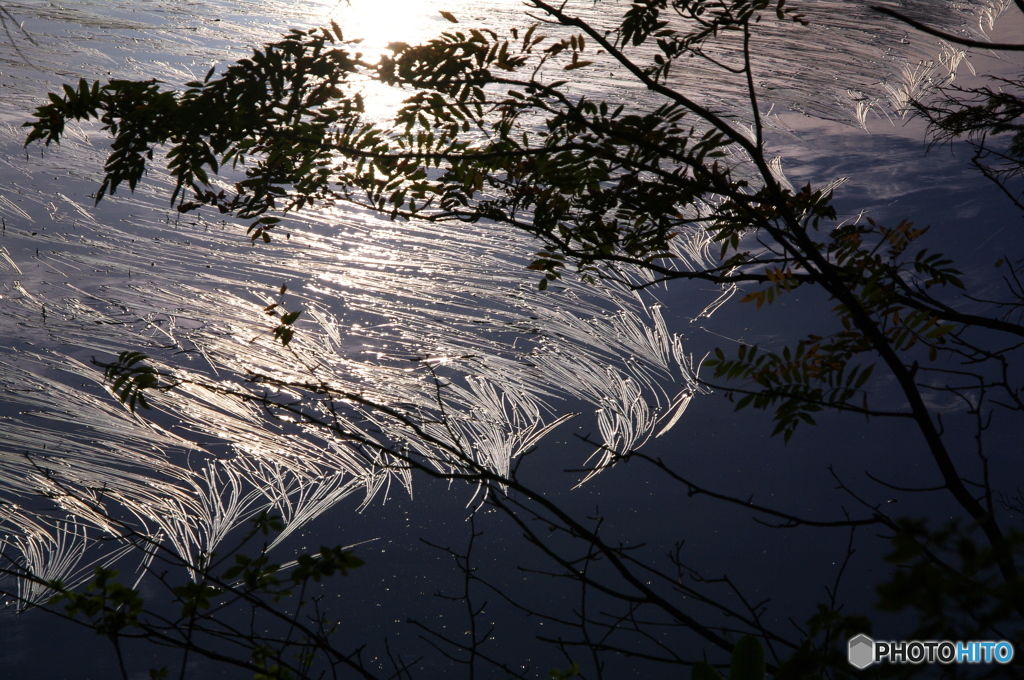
<point x="51" y="550"/>
<point x="391" y="311"/>
<point x="502" y="357"/>
<point x="775" y="165"/>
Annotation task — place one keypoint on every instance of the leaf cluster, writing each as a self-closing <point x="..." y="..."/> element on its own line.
<point x="944" y="570"/>
<point x="292" y="85"/>
<point x="991" y="118"/>
<point x="887" y="280"/>
<point x="110" y="606"/>
<point x="796" y="383"/>
<point x="747" y="662"/>
<point x="129" y="377"/>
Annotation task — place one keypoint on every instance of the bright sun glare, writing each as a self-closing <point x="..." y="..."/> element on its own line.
<point x="379" y="22"/>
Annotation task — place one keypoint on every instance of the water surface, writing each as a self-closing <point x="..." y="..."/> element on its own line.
<point x="79" y="280"/>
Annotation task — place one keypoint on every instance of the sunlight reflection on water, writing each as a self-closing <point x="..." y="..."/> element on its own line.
<point x="386" y="307"/>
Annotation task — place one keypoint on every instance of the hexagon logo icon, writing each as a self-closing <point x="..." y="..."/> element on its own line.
<point x="862" y="651"/>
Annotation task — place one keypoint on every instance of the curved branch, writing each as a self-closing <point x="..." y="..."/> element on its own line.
<point x="966" y="42"/>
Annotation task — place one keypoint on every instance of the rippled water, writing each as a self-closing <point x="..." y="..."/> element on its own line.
<point x="79" y="281"/>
